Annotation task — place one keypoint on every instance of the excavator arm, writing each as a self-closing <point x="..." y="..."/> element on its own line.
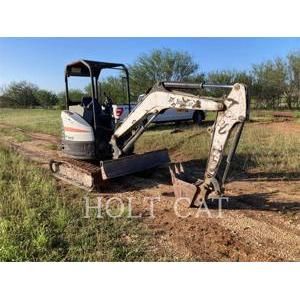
<point x="155" y="102"/>
<point x="231" y="114"/>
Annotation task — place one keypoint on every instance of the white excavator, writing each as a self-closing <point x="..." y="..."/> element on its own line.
<point x="94" y="151"/>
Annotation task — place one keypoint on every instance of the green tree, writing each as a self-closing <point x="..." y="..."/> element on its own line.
<point x="227" y="77"/>
<point x="20" y="94"/>
<point x="116" y="88"/>
<point x="160" y="65"/>
<point x="46" y="98"/>
<point x="270" y="82"/>
<point x="74" y="94"/>
<point x="113" y="86"/>
<point x="293" y="95"/>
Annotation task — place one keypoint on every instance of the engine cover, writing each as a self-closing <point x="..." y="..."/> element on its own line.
<point x="78" y="140"/>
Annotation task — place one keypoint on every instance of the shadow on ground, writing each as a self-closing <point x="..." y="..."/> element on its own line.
<point x="255" y="201"/>
<point x="241" y="170"/>
<point x="251" y="201"/>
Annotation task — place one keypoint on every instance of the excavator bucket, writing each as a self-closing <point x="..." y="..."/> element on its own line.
<point x="182" y="188"/>
<point x="92" y="177"/>
<point x="185" y="186"/>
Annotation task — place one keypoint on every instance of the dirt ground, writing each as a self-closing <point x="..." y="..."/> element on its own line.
<point x="259" y="222"/>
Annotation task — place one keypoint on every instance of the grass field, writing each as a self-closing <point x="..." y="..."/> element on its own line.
<point x="48" y="121"/>
<point x="260" y="148"/>
<point x="266" y="149"/>
<point x="39" y="222"/>
<point x="37" y="120"/>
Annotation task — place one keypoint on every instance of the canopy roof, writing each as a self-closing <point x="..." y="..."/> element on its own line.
<point x="86" y="68"/>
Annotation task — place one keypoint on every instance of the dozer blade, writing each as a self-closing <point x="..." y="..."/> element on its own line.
<point x="133" y="164"/>
<point x="91" y="177"/>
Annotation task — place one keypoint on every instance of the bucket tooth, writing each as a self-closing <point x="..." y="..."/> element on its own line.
<point x="181" y="168"/>
<point x="172" y="174"/>
<point x="176" y="169"/>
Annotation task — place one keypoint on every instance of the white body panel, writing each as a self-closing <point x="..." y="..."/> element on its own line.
<point x="75" y="128"/>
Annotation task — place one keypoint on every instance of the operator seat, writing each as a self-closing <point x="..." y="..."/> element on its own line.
<point x="87" y="103"/>
<point x="104" y="125"/>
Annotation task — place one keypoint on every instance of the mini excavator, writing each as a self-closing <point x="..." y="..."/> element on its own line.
<point x="94" y="149"/>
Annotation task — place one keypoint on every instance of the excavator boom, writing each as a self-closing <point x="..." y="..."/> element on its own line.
<point x="231" y="114"/>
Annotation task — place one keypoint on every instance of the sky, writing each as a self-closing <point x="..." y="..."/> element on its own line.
<point x="42" y="60"/>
